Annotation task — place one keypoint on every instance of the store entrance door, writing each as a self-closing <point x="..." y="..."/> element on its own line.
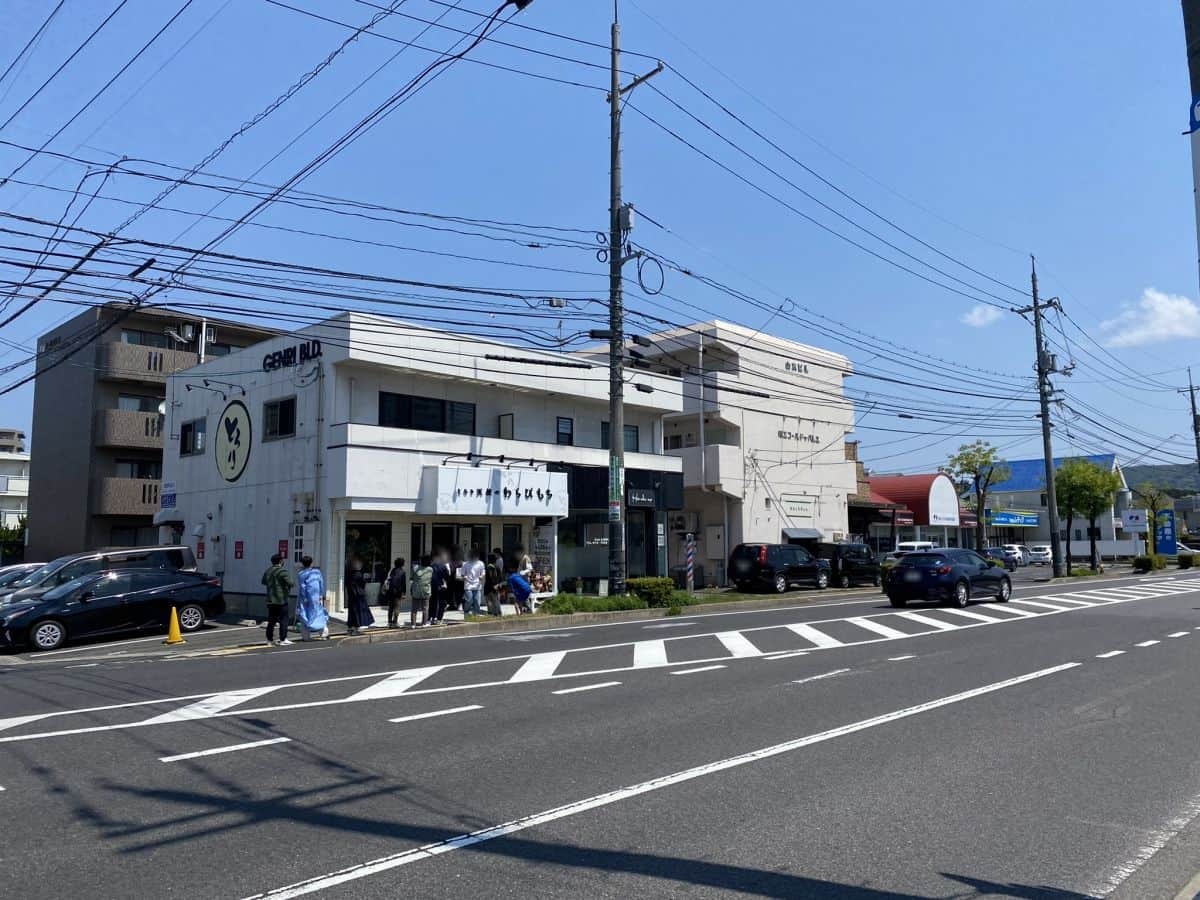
<point x="640" y="557"/>
<point x="443" y="537"/>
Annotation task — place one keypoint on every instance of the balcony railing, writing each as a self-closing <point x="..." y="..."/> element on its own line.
<point x="127" y="497"/>
<point x="133" y="362"/>
<point x="128" y="428"/>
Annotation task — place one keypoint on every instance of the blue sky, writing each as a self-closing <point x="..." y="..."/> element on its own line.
<point x="987" y="131"/>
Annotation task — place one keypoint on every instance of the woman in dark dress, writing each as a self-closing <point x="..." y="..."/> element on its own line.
<point x="358" y="611"/>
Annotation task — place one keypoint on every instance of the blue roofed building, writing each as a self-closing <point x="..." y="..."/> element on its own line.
<point x="1017" y="510"/>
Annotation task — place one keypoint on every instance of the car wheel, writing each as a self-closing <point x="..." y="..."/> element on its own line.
<point x="877" y="581"/>
<point x="1005" y="591"/>
<point x="898" y="602"/>
<point x="844" y="581"/>
<point x="822" y="580"/>
<point x="191" y="618"/>
<point x="49" y="634"/>
<point x="780" y="584"/>
<point x="962" y="593"/>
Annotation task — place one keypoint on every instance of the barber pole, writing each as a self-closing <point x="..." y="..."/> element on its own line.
<point x="691" y="563"/>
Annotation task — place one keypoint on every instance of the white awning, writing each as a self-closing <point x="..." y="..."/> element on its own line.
<point x="802" y="534"/>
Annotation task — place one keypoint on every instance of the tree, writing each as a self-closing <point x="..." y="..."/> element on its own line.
<point x="1098" y="499"/>
<point x="980" y="465"/>
<point x="1156" y="500"/>
<point x="1070" y="484"/>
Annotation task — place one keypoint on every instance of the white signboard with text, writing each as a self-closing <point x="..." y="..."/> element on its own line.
<point x="492" y="491"/>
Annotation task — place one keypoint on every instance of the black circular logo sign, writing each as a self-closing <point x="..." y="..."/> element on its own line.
<point x="232" y="445"/>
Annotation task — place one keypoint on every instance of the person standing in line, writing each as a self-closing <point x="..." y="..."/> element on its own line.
<point x="520" y="590"/>
<point x="493" y="573"/>
<point x="310" y="602"/>
<point x="358" y="611"/>
<point x="473" y="572"/>
<point x="278" y="584"/>
<point x="439" y="594"/>
<point x="456" y="581"/>
<point x="422" y="582"/>
<point x="524" y="563"/>
<point x="397" y="587"/>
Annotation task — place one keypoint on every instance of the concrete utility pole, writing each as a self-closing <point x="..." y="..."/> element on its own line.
<point x="1195" y="419"/>
<point x="1045" y="366"/>
<point x="620" y="222"/>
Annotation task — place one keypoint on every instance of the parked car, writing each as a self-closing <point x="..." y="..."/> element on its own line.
<point x="913" y="546"/>
<point x="1002" y="556"/>
<point x="951" y="576"/>
<point x="1016" y="553"/>
<point x="1040" y="555"/>
<point x="111" y="602"/>
<point x="1183" y="550"/>
<point x="777" y="567"/>
<point x="850" y="564"/>
<point x="11" y="574"/>
<point x="68" y="568"/>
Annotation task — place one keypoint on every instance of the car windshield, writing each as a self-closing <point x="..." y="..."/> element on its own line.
<point x="10" y="578"/>
<point x="62" y="590"/>
<point x="42" y="572"/>
<point x="924" y="560"/>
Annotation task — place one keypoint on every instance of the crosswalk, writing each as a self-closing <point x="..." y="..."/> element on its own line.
<point x="771" y="642"/>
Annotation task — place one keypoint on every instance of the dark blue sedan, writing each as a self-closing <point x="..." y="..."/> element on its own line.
<point x="947" y="576"/>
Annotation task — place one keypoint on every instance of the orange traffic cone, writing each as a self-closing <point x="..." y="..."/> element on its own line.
<point x="173" y="634"/>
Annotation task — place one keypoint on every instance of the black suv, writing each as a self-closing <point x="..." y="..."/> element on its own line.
<point x="76" y="565"/>
<point x="850" y="564"/>
<point x="776" y="566"/>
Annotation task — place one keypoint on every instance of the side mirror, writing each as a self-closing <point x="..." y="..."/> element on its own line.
<point x="86" y="596"/>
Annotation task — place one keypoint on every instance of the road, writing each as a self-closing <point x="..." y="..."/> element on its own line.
<point x="1043" y="748"/>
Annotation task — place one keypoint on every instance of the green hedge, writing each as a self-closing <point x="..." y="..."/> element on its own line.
<point x="565" y="604"/>
<point x="1185" y="560"/>
<point x="654" y="591"/>
<point x="1144" y="564"/>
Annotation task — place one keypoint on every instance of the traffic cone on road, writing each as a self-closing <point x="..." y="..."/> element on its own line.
<point x="173" y="634"/>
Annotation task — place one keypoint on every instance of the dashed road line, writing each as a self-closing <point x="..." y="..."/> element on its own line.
<point x="737" y="644"/>
<point x="1147" y="643"/>
<point x="1179" y="634"/>
<point x="436" y="713"/>
<point x="216" y="751"/>
<point x="587" y="687"/>
<point x="1110" y="654"/>
<point x="901" y="658"/>
<point x="815" y="637"/>
<point x="821" y="676"/>
<point x="699" y="669"/>
<point x="788" y="655"/>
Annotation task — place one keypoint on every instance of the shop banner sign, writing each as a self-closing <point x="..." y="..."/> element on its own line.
<point x="492" y="491"/>
<point x="1135" y="521"/>
<point x="1012" y="518"/>
<point x="1165" y="539"/>
<point x="168" y="494"/>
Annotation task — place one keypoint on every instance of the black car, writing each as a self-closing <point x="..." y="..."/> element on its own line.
<point x="777" y="567"/>
<point x="950" y="576"/>
<point x="850" y="564"/>
<point x="76" y="565"/>
<point x="1001" y="557"/>
<point x="110" y="603"/>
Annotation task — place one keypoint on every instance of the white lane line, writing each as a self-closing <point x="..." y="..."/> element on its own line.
<point x="883" y="630"/>
<point x="440" y="712"/>
<point x="82" y="666"/>
<point x="231" y="749"/>
<point x="1156" y="839"/>
<point x="429" y="851"/>
<point x="819" y="638"/>
<point x="1048" y="606"/>
<point x="787" y="655"/>
<point x="821" y="676"/>
<point x="1179" y="634"/>
<point x="669" y="625"/>
<point x="1110" y="654"/>
<point x="209" y="706"/>
<point x="587" y="687"/>
<point x="978" y="617"/>
<point x="394" y="685"/>
<point x="700" y="669"/>
<point x="648" y="654"/>
<point x="539" y="666"/>
<point x="1147" y="643"/>
<point x="901" y="658"/>
<point x="737" y="644"/>
<point x="1072" y="604"/>
<point x="925" y="620"/>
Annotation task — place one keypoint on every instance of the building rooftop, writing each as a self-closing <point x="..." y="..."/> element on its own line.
<point x="1030" y="474"/>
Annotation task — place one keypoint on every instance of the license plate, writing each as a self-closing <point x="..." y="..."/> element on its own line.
<point x="912" y="575"/>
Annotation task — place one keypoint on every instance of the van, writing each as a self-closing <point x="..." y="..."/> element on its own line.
<point x="850" y="564"/>
<point x="914" y="546"/>
<point x="67" y="568"/>
<point x="776" y="567"/>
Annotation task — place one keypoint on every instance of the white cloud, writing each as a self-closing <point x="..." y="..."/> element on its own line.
<point x="1157" y="317"/>
<point x="981" y="316"/>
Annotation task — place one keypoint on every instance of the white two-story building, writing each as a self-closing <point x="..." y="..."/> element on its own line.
<point x="368" y="437"/>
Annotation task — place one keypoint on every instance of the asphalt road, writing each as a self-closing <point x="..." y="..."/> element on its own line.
<point x="1043" y="748"/>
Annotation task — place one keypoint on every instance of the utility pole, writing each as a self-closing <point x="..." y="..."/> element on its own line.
<point x="1195" y="419"/>
<point x="1045" y="366"/>
<point x="620" y="222"/>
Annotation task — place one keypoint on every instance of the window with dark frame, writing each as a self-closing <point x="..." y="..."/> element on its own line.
<point x="631" y="437"/>
<point x="191" y="437"/>
<point x="426" y="413"/>
<point x="279" y="418"/>
<point x="565" y="431"/>
<point x="460" y="417"/>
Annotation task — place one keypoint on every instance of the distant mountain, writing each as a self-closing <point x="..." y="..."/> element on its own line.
<point x="1180" y="480"/>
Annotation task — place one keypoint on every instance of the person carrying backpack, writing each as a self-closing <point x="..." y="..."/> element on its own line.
<point x="278" y="583"/>
<point x="396" y="587"/>
<point x="421" y="590"/>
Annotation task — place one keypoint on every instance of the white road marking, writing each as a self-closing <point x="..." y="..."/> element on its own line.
<point x="1110" y="654"/>
<point x="395" y="685"/>
<point x="1017" y="611"/>
<point x="738" y="644"/>
<point x="1049" y="606"/>
<point x="209" y="706"/>
<point x="539" y="666"/>
<point x="1147" y="643"/>
<point x="1158" y="839"/>
<point x="901" y="658"/>
<point x="647" y="654"/>
<point x="82" y="666"/>
<point x="871" y="625"/>
<point x="700" y="669"/>
<point x="821" y="676"/>
<point x="1179" y="634"/>
<point x="231" y="749"/>
<point x="925" y="620"/>
<point x="978" y="617"/>
<point x="587" y="687"/>
<point x="787" y="655"/>
<point x="433" y="715"/>
<point x="819" y="638"/>
<point x="670" y="625"/>
<point x="429" y="851"/>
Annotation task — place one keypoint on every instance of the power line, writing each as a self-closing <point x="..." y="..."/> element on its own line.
<point x="32" y="40"/>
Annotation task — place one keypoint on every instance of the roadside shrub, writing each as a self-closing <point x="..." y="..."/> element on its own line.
<point x="682" y="598"/>
<point x="1185" y="560"/>
<point x="654" y="591"/>
<point x="1160" y="562"/>
<point x="673" y="610"/>
<point x="1082" y="573"/>
<point x="565" y="604"/>
<point x="1145" y="564"/>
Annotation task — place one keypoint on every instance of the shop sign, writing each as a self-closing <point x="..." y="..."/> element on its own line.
<point x="799" y="438"/>
<point x="1135" y="520"/>
<point x="239" y="549"/>
<point x="543" y="549"/>
<point x="283" y="548"/>
<point x="492" y="491"/>
<point x="168" y="495"/>
<point x="662" y="535"/>
<point x="614" y="510"/>
<point x="1011" y="518"/>
<point x="1165" y="540"/>
<point x="641" y="497"/>
<point x="305" y="351"/>
<point x="595" y="534"/>
<point x="231" y="449"/>
<point x="797" y="505"/>
<point x="799" y="368"/>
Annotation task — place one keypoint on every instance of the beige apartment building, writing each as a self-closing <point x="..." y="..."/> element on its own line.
<point x="98" y="416"/>
<point x="12" y="440"/>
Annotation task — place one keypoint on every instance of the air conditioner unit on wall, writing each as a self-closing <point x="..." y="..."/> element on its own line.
<point x="688" y="521"/>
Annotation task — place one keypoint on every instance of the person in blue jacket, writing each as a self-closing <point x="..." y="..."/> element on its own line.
<point x="520" y="590"/>
<point x="310" y="606"/>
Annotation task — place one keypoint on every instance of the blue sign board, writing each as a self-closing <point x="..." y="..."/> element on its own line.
<point x="1012" y="518"/>
<point x="1165" y="539"/>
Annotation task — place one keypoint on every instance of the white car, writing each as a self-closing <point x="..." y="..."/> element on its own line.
<point x="1018" y="553"/>
<point x="1040" y="555"/>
